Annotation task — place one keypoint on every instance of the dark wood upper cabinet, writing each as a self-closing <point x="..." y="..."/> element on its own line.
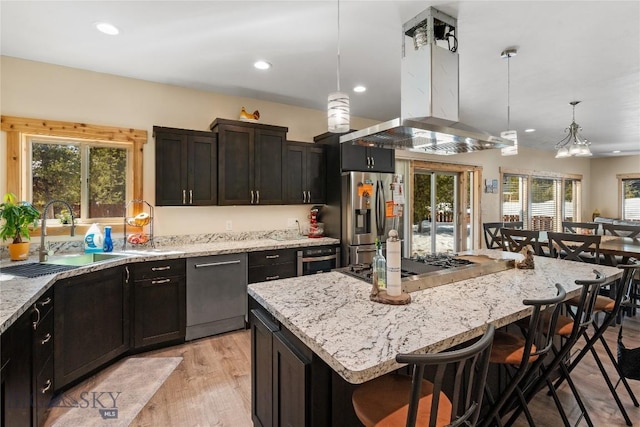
<point x="186" y="167"/>
<point x="306" y="173"/>
<point x="367" y="159"/>
<point x="357" y="158"/>
<point x="251" y="163"/>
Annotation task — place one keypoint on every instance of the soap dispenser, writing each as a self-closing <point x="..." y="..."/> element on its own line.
<point x="108" y="242"/>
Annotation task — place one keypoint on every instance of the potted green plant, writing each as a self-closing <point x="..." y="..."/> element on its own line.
<point x="18" y="217"/>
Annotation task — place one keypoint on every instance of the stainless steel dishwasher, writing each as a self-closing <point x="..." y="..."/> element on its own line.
<point x="216" y="294"/>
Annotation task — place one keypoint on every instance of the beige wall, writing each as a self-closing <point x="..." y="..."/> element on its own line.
<point x="38" y="90"/>
<point x="604" y="187"/>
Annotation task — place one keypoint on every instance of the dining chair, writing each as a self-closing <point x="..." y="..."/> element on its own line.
<point x="403" y="400"/>
<point x="514" y="240"/>
<point x="569" y="328"/>
<point x="621" y="230"/>
<point x="523" y="354"/>
<point x="580" y="227"/>
<point x="611" y="307"/>
<point x="492" y="236"/>
<point x="574" y="247"/>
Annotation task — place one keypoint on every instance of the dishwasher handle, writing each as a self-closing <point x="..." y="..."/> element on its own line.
<point x="216" y="264"/>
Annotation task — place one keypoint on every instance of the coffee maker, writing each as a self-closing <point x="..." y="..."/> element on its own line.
<point x="316" y="228"/>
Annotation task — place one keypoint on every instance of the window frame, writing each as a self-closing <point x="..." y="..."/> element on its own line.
<point x="84" y="146"/>
<point x="19" y="128"/>
<point x="559" y="186"/>
<point x="621" y="178"/>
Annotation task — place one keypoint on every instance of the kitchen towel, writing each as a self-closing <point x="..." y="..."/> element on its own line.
<point x="117" y="399"/>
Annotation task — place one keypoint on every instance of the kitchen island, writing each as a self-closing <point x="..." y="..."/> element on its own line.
<point x="338" y="333"/>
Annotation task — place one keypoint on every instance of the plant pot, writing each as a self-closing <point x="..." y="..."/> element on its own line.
<point x="19" y="251"/>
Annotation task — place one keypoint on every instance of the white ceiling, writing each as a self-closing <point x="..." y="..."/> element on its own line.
<point x="567" y="50"/>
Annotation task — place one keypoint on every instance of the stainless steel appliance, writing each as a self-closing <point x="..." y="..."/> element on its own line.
<point x="317" y="260"/>
<point x="435" y="270"/>
<point x="429" y="95"/>
<point x="216" y="294"/>
<point x="366" y="209"/>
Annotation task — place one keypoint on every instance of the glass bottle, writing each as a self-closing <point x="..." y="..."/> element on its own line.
<point x="379" y="267"/>
<point x="108" y="243"/>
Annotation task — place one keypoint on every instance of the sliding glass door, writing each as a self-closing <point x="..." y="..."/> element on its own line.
<point x="435" y="212"/>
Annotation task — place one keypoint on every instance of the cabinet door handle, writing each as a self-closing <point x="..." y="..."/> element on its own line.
<point x="157" y="282"/>
<point x="47" y="386"/>
<point x="166" y="267"/>
<point x="127" y="274"/>
<point x="190" y="197"/>
<point x="37" y="321"/>
<point x="368" y="162"/>
<point x="215" y="264"/>
<point x="257" y="197"/>
<point x="308" y="196"/>
<point x="272" y="256"/>
<point x="272" y="277"/>
<point x="373" y="162"/>
<point x="184" y="197"/>
<point x="304" y="197"/>
<point x="45" y="302"/>
<point x="251" y="196"/>
<point x="46" y="338"/>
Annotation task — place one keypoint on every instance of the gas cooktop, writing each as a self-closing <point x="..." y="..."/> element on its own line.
<point x="431" y="270"/>
<point x="410" y="266"/>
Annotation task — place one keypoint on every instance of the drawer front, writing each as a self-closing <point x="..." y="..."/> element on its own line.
<point x="43" y="392"/>
<point x="164" y="268"/>
<point x="43" y="341"/>
<point x="272" y="272"/>
<point x="280" y="256"/>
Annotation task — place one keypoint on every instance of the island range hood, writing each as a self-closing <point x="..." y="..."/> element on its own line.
<point x="429" y="95"/>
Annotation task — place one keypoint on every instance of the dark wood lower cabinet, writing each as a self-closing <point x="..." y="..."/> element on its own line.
<point x="262" y="330"/>
<point x="91" y="318"/>
<point x="16" y="373"/>
<point x="291" y="370"/>
<point x="290" y="385"/>
<point x="159" y="303"/>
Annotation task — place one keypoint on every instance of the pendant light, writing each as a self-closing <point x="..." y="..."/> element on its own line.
<point x="509" y="134"/>
<point x="573" y="144"/>
<point x="338" y="102"/>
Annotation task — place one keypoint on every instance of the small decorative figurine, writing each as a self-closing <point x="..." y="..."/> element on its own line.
<point x="527" y="263"/>
<point x="249" y="117"/>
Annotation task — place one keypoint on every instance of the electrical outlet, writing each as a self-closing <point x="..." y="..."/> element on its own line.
<point x="228" y="225"/>
<point x="291" y="222"/>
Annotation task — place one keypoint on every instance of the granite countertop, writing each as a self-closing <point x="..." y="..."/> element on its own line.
<point x="17" y="294"/>
<point x="359" y="339"/>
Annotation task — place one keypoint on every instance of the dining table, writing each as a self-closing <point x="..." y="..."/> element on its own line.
<point x="624" y="247"/>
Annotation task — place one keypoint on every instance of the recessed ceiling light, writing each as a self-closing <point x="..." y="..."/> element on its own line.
<point x="106" y="28"/>
<point x="616" y="151"/>
<point x="529" y="130"/>
<point x="262" y="65"/>
<point x="359" y="88"/>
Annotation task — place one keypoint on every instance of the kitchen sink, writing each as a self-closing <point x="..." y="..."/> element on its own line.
<point x="82" y="259"/>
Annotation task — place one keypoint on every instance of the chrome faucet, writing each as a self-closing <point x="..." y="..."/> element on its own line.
<point x="44" y="253"/>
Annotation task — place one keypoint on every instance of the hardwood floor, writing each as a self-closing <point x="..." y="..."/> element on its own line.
<point x="212" y="386"/>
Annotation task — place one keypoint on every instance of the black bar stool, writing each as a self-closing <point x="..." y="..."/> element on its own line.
<point x="523" y="352"/>
<point x="611" y="308"/>
<point x="569" y="328"/>
<point x="401" y="400"/>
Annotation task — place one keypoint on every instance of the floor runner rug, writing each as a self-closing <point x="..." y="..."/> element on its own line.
<point x="116" y="399"/>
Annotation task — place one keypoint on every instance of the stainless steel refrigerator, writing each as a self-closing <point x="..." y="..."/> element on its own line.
<point x="369" y="205"/>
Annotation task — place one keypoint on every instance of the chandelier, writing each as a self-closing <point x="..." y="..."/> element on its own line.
<point x="338" y="102"/>
<point x="573" y="144"/>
